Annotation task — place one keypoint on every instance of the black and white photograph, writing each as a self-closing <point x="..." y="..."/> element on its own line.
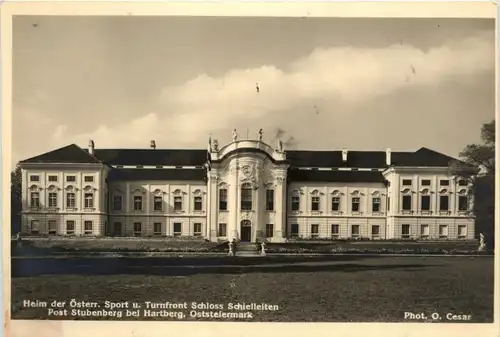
<point x="233" y="168"/>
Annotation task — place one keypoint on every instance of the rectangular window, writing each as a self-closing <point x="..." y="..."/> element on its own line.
<point x="406" y="182"/>
<point x="223" y="199"/>
<point x="34" y="178"/>
<point x="70" y="200"/>
<point x="462" y="231"/>
<point x="444" y="203"/>
<point x="335" y="231"/>
<point x="314" y="230"/>
<point x="87" y="227"/>
<point x="177" y="228"/>
<point x="355" y="204"/>
<point x="463" y="182"/>
<point x="137" y="229"/>
<point x="35" y="199"/>
<point x="269" y="230"/>
<point x="178" y="204"/>
<point x="295" y="203"/>
<point x="388" y="204"/>
<point x="269" y="200"/>
<point x="53" y="178"/>
<point x="335" y="204"/>
<point x="137" y="203"/>
<point x="222" y="229"/>
<point x="35" y="227"/>
<point x="117" y="202"/>
<point x="424" y="231"/>
<point x="117" y="228"/>
<point x="70" y="227"/>
<point x="376" y="205"/>
<point x="157" y="228"/>
<point x="197" y="229"/>
<point x="52" y="227"/>
<point x="294" y="230"/>
<point x="425" y="203"/>
<point x="158" y="204"/>
<point x="426" y="182"/>
<point x="406" y="202"/>
<point x="375" y="231"/>
<point x="443" y="231"/>
<point x="88" y="179"/>
<point x="198" y="204"/>
<point x="89" y="200"/>
<point x="52" y="200"/>
<point x="463" y="203"/>
<point x="355" y="231"/>
<point x="444" y="182"/>
<point x="70" y="179"/>
<point x="405" y="231"/>
<point x="315" y="204"/>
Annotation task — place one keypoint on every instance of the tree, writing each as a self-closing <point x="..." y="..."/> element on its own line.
<point x="478" y="166"/>
<point x="15" y="200"/>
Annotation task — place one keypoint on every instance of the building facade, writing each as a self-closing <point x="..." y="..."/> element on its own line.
<point x="246" y="190"/>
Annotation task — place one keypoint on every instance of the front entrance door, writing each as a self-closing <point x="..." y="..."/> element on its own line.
<point x="246" y="231"/>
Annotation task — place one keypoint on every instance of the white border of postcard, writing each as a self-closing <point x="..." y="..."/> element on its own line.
<point x="21" y="328"/>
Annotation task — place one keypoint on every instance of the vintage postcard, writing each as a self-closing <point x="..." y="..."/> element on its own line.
<point x="186" y="169"/>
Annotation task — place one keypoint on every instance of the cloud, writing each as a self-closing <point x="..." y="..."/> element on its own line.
<point x="186" y="114"/>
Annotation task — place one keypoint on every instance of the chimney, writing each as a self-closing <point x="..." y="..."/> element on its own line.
<point x="388" y="157"/>
<point x="153" y="144"/>
<point x="344" y="155"/>
<point x="91" y="147"/>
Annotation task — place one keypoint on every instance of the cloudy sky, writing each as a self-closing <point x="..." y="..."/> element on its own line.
<point x="329" y="83"/>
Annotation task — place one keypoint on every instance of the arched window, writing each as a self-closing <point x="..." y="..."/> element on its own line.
<point x="336" y="201"/>
<point x="463" y="200"/>
<point x="315" y="201"/>
<point x="444" y="200"/>
<point x="88" y="197"/>
<point x="178" y="207"/>
<point x="222" y="197"/>
<point x="406" y="200"/>
<point x="355" y="202"/>
<point x="246" y="197"/>
<point x="425" y="201"/>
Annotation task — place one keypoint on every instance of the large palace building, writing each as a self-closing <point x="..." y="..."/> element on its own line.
<point x="245" y="190"/>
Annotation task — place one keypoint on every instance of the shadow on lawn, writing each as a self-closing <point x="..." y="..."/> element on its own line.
<point x="194" y="266"/>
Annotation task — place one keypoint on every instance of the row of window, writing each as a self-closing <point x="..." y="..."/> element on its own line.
<point x="427" y="182"/>
<point x="425" y="203"/>
<point x="246" y="202"/>
<point x="375" y="231"/>
<point x="222" y="230"/>
<point x="405" y="182"/>
<point x="246" y="199"/>
<point x="158" y="206"/>
<point x="70" y="200"/>
<point x="157" y="228"/>
<point x="88" y="227"/>
<point x="54" y="178"/>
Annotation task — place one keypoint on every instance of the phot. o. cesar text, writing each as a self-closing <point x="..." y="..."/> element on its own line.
<point x="78" y="309"/>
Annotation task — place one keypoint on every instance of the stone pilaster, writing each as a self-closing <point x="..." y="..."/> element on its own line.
<point x="280" y="198"/>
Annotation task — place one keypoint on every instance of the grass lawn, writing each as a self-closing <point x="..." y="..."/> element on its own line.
<point x="306" y="289"/>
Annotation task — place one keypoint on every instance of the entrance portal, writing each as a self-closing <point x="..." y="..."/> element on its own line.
<point x="246" y="231"/>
